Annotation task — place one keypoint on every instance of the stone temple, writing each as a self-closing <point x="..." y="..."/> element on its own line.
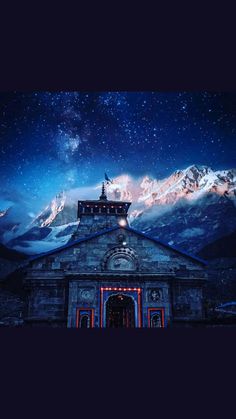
<point x="112" y="276"/>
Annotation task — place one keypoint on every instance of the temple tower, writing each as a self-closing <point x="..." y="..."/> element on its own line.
<point x="101" y="214"/>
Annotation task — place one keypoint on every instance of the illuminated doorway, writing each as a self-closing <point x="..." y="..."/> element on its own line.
<point x="120" y="311"/>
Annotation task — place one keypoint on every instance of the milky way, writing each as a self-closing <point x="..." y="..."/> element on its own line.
<point x="55" y="141"/>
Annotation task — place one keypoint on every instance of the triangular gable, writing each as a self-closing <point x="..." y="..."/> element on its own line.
<point x="144" y="235"/>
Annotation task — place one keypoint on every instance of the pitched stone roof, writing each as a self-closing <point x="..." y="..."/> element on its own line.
<point x="100" y="233"/>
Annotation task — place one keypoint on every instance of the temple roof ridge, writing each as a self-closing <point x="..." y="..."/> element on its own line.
<point x="102" y="232"/>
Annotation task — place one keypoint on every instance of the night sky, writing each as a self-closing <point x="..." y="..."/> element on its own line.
<point x="55" y="141"/>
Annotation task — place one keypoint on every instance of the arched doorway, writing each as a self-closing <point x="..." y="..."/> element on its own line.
<point x="120" y="311"/>
<point x="84" y="321"/>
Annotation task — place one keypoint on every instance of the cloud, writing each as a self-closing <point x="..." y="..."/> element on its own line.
<point x="13" y="196"/>
<point x="82" y="193"/>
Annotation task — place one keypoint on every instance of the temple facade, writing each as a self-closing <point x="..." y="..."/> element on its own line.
<point x="112" y="276"/>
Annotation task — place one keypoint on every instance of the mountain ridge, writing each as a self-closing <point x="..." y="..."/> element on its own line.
<point x="189" y="208"/>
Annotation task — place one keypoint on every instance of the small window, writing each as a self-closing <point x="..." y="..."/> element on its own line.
<point x="85" y="318"/>
<point x="155" y="317"/>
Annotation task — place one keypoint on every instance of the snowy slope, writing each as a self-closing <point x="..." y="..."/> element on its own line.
<point x="61" y="210"/>
<point x="43" y="239"/>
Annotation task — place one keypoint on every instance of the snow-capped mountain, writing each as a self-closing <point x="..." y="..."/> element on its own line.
<point x="190" y="184"/>
<point x="51" y="228"/>
<point x="2" y="213"/>
<point x="61" y="210"/>
<point x="190" y="208"/>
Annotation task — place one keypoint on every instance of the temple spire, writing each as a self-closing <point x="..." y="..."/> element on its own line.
<point x="103" y="196"/>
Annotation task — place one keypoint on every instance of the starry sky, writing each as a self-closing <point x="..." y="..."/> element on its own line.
<point x="52" y="141"/>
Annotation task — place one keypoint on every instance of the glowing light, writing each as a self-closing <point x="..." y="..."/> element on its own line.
<point x="122" y="223"/>
<point x="124" y="243"/>
<point x="120" y="289"/>
<point x="138" y="290"/>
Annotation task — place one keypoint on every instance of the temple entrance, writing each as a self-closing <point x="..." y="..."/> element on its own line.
<point x="120" y="311"/>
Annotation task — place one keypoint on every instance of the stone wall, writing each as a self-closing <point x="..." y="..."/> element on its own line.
<point x="94" y="223"/>
<point x="12" y="309"/>
<point x="47" y="302"/>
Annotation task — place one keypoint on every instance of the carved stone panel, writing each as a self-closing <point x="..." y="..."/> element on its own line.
<point x="120" y="259"/>
<point x="86" y="294"/>
<point x="155" y="294"/>
<point x="121" y="263"/>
